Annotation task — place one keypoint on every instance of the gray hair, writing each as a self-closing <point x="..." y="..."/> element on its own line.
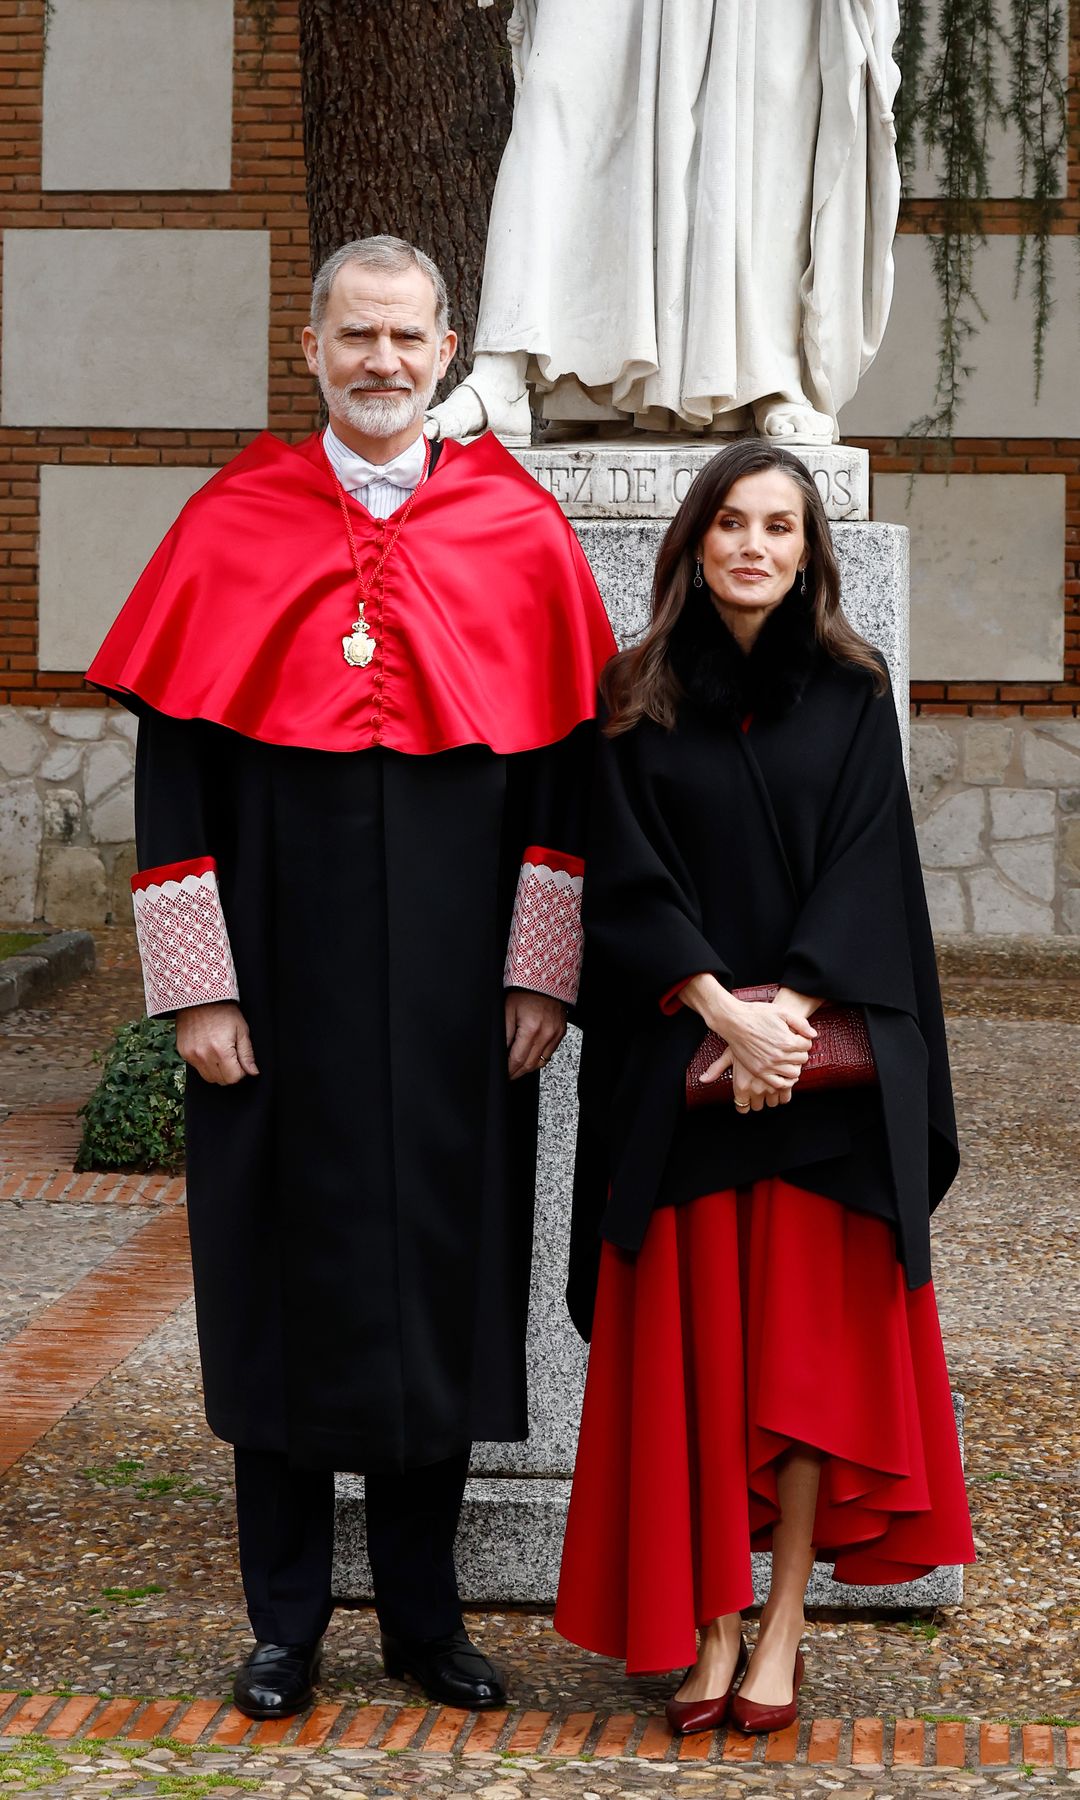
<point x="389" y="255"/>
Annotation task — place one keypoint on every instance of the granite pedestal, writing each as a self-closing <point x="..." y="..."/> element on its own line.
<point x="619" y="498"/>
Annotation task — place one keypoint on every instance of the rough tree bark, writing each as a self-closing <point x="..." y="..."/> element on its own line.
<point x="407" y="106"/>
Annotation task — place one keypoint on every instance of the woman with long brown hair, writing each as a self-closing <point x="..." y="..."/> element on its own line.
<point x="766" y="1369"/>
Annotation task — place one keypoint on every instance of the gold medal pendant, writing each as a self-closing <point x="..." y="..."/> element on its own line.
<point x="359" y="646"/>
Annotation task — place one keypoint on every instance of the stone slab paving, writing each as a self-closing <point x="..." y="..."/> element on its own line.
<point x="46" y="1136"/>
<point x="67" y="1346"/>
<point x="47" y="1052"/>
<point x="47" y="1249"/>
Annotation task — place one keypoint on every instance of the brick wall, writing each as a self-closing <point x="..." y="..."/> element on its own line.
<point x="1009" y="456"/>
<point x="267" y="194"/>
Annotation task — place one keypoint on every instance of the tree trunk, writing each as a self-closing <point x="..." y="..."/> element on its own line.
<point x="407" y="106"/>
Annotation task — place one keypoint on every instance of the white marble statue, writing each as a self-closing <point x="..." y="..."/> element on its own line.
<point x="693" y="221"/>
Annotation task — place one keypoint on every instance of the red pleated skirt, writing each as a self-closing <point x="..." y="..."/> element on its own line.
<point x="750" y="1322"/>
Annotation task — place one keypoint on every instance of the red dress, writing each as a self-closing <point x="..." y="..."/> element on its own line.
<point x="748" y="1322"/>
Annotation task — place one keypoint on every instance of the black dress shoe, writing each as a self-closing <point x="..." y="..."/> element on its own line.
<point x="449" y="1669"/>
<point x="277" y="1680"/>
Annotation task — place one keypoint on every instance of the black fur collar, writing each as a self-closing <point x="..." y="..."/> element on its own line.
<point x="720" y="678"/>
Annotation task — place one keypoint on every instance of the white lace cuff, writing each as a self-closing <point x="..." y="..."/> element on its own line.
<point x="544" y="954"/>
<point x="183" y="938"/>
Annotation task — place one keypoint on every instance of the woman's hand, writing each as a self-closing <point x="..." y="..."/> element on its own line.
<point x="214" y="1041"/>
<point x="752" y="1094"/>
<point x="767" y="1044"/>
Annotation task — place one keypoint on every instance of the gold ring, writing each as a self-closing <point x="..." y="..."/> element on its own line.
<point x="742" y="1106"/>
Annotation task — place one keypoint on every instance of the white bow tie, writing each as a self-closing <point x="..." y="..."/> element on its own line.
<point x="355" y="471"/>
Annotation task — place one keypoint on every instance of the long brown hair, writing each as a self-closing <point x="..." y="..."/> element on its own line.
<point x="640" y="683"/>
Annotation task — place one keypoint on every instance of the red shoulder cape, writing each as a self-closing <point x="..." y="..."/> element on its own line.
<point x="488" y="624"/>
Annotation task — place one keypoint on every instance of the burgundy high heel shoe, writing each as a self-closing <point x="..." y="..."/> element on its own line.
<point x="685" y="1716"/>
<point x="753" y="1718"/>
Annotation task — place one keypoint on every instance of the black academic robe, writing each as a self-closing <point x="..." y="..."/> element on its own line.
<point x="361" y="1210"/>
<point x="767" y="837"/>
<point x="362" y="854"/>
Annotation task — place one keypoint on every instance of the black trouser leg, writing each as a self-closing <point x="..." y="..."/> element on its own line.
<point x="285" y="1520"/>
<point x="412" y="1519"/>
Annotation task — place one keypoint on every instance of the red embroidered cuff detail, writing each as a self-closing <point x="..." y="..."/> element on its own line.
<point x="670" y="1002"/>
<point x="198" y="865"/>
<point x="541" y="857"/>
<point x="183" y="938"/>
<point x="545" y="935"/>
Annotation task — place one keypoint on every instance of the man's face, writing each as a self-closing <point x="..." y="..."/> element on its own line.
<point x="377" y="358"/>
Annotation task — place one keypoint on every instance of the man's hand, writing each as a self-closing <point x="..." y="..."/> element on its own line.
<point x="214" y="1041"/>
<point x="535" y="1027"/>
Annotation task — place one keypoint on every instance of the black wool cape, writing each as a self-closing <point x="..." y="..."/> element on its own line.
<point x="783" y="851"/>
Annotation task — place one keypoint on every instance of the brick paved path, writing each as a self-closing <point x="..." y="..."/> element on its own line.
<point x="119" y="1578"/>
<point x="870" y="1744"/>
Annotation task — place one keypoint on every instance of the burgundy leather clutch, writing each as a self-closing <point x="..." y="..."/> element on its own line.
<point x="840" y="1055"/>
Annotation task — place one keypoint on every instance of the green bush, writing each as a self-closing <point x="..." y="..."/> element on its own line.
<point x="134" y="1119"/>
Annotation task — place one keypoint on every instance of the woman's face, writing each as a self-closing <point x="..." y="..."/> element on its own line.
<point x="755" y="546"/>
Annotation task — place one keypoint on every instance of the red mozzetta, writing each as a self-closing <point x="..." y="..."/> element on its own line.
<point x="487" y="623"/>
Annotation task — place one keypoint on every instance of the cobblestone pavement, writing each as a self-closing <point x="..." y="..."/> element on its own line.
<point x="117" y="1564"/>
<point x="158" y="1770"/>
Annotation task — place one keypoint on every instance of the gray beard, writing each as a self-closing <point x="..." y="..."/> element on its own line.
<point x="377" y="413"/>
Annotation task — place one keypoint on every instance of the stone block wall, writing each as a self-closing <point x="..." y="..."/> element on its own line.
<point x="66" y="819"/>
<point x="997" y="809"/>
<point x="996" y="801"/>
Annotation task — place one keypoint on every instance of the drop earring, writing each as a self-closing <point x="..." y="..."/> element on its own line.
<point x="698" y="581"/>
<point x="802" y="582"/>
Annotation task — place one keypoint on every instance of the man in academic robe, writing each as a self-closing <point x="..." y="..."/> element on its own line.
<point x="364" y="669"/>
